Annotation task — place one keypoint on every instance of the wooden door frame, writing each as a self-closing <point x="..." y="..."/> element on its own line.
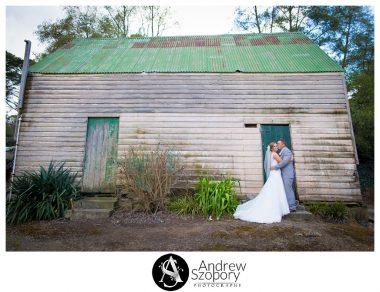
<point x="290" y="136"/>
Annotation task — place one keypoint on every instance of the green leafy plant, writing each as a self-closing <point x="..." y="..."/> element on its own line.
<point x="216" y="198"/>
<point x="184" y="205"/>
<point x="42" y="195"/>
<point x="335" y="212"/>
<point x="148" y="176"/>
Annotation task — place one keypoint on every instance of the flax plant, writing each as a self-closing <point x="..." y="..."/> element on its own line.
<point x="43" y="194"/>
<point x="216" y="198"/>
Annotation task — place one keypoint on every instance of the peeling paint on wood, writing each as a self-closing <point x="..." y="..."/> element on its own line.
<point x="100" y="162"/>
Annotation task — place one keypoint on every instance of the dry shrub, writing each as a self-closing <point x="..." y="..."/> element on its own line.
<point x="148" y="176"/>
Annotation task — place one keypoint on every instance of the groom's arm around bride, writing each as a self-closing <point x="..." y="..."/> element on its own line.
<point x="286" y="156"/>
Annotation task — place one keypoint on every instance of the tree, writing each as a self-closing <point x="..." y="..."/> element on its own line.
<point x="154" y="20"/>
<point x="13" y="79"/>
<point x="291" y="18"/>
<point x="362" y="57"/>
<point x="85" y="20"/>
<point x="93" y="22"/>
<point x="249" y="18"/>
<point x="116" y="23"/>
<point x="282" y="18"/>
<point x="255" y="19"/>
<point x="79" y="22"/>
<point x="270" y="16"/>
<point x="362" y="112"/>
<point x="319" y="24"/>
<point x="346" y="31"/>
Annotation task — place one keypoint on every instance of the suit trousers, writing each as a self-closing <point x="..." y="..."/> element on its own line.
<point x="289" y="190"/>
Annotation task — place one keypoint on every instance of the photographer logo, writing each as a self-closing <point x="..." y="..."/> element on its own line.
<point x="170" y="272"/>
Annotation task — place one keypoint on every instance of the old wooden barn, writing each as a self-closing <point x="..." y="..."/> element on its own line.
<point x="219" y="100"/>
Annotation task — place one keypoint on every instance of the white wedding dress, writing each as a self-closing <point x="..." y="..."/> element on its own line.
<point x="269" y="205"/>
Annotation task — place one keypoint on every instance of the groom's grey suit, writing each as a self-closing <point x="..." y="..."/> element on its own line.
<point x="287" y="173"/>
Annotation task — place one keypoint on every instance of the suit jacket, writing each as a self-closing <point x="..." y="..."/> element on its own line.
<point x="286" y="165"/>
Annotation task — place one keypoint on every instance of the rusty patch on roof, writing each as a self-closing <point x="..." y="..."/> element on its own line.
<point x="261" y="41"/>
<point x="240" y="41"/>
<point x="139" y="45"/>
<point x="67" y="46"/>
<point x="301" y="41"/>
<point x="268" y="40"/>
<point x="265" y="41"/>
<point x="179" y="42"/>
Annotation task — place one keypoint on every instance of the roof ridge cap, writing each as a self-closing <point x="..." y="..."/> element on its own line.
<point x="189" y="36"/>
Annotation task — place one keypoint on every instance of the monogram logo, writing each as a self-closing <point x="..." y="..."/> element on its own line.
<point x="170" y="272"/>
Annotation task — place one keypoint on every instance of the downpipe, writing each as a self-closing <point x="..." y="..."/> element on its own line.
<point x="15" y="155"/>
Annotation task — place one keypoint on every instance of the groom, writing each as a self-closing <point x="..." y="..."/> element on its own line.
<point x="287" y="173"/>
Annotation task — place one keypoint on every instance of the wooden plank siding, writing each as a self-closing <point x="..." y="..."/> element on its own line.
<point x="203" y="116"/>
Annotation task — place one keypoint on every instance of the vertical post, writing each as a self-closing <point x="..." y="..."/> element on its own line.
<point x="24" y="75"/>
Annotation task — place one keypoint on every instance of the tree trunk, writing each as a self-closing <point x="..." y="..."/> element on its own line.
<point x="257" y="20"/>
<point x="290" y="18"/>
<point x="272" y="19"/>
<point x="345" y="50"/>
<point x="298" y="14"/>
<point x="124" y="20"/>
<point x="152" y="18"/>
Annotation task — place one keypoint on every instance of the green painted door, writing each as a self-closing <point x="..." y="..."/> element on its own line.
<point x="272" y="133"/>
<point x="100" y="161"/>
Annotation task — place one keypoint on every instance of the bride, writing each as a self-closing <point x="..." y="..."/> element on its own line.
<point x="271" y="203"/>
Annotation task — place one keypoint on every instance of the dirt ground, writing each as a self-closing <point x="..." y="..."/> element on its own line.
<point x="169" y="232"/>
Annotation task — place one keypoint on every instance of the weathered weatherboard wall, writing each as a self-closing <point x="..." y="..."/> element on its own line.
<point x="203" y="116"/>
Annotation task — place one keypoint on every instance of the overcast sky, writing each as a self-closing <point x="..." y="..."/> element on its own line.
<point x="22" y="22"/>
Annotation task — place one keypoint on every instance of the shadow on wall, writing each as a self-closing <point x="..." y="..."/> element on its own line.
<point x="366" y="176"/>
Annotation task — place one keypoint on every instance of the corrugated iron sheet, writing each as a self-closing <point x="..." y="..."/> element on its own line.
<point x="280" y="52"/>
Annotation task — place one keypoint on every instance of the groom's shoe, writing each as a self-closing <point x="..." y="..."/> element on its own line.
<point x="293" y="210"/>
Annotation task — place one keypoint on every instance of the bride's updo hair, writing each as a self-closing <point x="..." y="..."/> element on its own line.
<point x="271" y="146"/>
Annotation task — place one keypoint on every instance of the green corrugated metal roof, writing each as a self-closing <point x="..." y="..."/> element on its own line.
<point x="279" y="52"/>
